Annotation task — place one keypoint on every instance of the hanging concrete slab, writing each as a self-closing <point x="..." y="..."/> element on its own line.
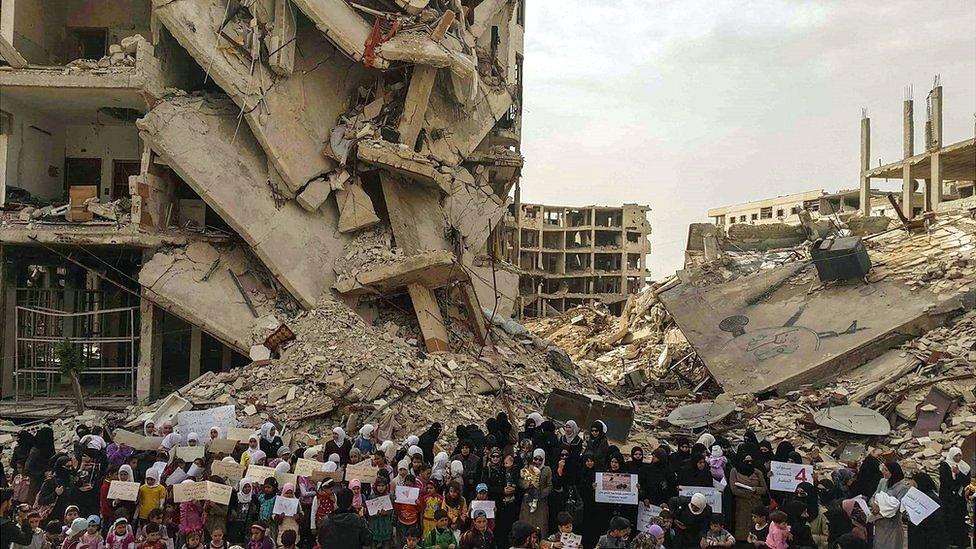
<point x="852" y="419"/>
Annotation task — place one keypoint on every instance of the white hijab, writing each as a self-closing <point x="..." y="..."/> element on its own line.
<point x="340" y="435"/>
<point x="266" y="431"/>
<point x="950" y="459"/>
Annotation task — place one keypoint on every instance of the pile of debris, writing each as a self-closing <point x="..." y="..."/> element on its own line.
<point x="341" y="370"/>
<point x="642" y="345"/>
<point x="119" y="55"/>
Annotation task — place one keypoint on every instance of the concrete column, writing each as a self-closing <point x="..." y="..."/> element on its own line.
<point x="429" y="316"/>
<point x="936" y="193"/>
<point x="196" y="351"/>
<point x="908" y="126"/>
<point x="7" y="10"/>
<point x="8" y="323"/>
<point x="149" y="368"/>
<point x="935" y="98"/>
<point x="907" y="192"/>
<point x="865" y="165"/>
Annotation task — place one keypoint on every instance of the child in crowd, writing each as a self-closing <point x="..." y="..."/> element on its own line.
<point x="779" y="531"/>
<point x="617" y="536"/>
<point x="259" y="538"/>
<point x="411" y="538"/>
<point x="717" y="535"/>
<point x="151" y="496"/>
<point x="564" y="522"/>
<point x="92" y="539"/>
<point x="217" y="539"/>
<point x="121" y="536"/>
<point x="407" y="514"/>
<point x="441" y="537"/>
<point x="194" y="540"/>
<point x="153" y="540"/>
<point x="760" y="525"/>
<point x="39" y="540"/>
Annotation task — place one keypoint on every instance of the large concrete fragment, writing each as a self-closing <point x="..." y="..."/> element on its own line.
<point x="402" y="161"/>
<point x="290" y="116"/>
<point x="452" y="138"/>
<point x="356" y="210"/>
<point x="473" y="208"/>
<point x="197" y="284"/>
<point x="200" y="140"/>
<point x="433" y="269"/>
<point x="760" y="332"/>
<point x="340" y="22"/>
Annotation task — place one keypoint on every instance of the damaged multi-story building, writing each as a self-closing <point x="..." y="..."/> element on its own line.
<point x="569" y="255"/>
<point x="177" y="176"/>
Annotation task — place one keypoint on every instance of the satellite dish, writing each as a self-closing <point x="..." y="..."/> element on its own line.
<point x="693" y="416"/>
<point x="856" y="420"/>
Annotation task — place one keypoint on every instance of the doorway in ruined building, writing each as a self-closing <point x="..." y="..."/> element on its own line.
<point x="82" y="171"/>
<point x="121" y="170"/>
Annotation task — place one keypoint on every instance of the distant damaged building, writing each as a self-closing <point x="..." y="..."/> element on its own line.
<point x="576" y="255"/>
<point x="179" y="175"/>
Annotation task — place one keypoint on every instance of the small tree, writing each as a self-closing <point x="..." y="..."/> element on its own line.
<point x="70" y="362"/>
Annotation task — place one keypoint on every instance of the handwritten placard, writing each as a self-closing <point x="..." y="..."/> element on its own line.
<point x="285" y="506"/>
<point x="229" y="471"/>
<point x="190" y="453"/>
<point x="376" y="505"/>
<point x="126" y="491"/>
<point x="785" y="477"/>
<point x="487" y="506"/>
<point x="407" y="494"/>
<point x="363" y="472"/>
<point x="222" y="446"/>
<point x="218" y="493"/>
<point x="137" y="441"/>
<point x="305" y="467"/>
<point x="645" y="514"/>
<point x="918" y="505"/>
<point x="285" y="478"/>
<point x="319" y="476"/>
<point x="200" y="421"/>
<point x="189" y="491"/>
<point x="260" y="472"/>
<point x="177" y="476"/>
<point x="239" y="434"/>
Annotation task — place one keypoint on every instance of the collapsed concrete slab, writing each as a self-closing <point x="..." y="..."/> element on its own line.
<point x="433" y="269"/>
<point x="473" y="208"/>
<point x="290" y="116"/>
<point x="197" y="283"/>
<point x="401" y="160"/>
<point x="767" y="332"/>
<point x="200" y="140"/>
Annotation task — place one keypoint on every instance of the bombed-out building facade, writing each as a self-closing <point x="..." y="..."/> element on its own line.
<point x="179" y="176"/>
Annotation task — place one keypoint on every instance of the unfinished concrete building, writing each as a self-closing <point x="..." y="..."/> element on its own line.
<point x="571" y="256"/>
<point x="933" y="180"/>
<point x="179" y="176"/>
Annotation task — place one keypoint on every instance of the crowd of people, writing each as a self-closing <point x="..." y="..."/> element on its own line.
<point x="540" y="478"/>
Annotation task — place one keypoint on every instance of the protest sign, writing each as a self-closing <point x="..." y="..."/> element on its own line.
<point x="487" y="506"/>
<point x="218" y="493"/>
<point x="363" y="472"/>
<point x="407" y="494"/>
<point x="918" y="505"/>
<point x="221" y="446"/>
<point x="285" y="478"/>
<point x="178" y="475"/>
<point x="240" y="434"/>
<point x="136" y="441"/>
<point x="200" y="421"/>
<point x="260" y="472"/>
<point x="320" y="475"/>
<point x="376" y="505"/>
<point x="190" y="453"/>
<point x="305" y="467"/>
<point x="189" y="491"/>
<point x="285" y="506"/>
<point x="616" y="488"/>
<point x="571" y="541"/>
<point x="231" y="472"/>
<point x="713" y="496"/>
<point x="645" y="513"/>
<point x="784" y="477"/>
<point x="126" y="491"/>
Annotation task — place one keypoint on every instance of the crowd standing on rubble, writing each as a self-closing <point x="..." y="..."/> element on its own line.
<point x="500" y="486"/>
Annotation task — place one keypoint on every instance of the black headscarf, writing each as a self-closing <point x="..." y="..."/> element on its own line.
<point x="795" y="457"/>
<point x="897" y="475"/>
<point x="925" y="483"/>
<point x="811" y="500"/>
<point x="867" y="478"/>
<point x="783" y="451"/>
<point x="25" y="441"/>
<point x="745" y="464"/>
<point x="838" y="523"/>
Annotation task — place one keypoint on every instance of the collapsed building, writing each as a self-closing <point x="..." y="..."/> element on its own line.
<point x="178" y="178"/>
<point x="568" y="256"/>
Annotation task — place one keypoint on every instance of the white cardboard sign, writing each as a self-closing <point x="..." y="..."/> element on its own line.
<point x="126" y="491"/>
<point x="645" y="513"/>
<point x="488" y="506"/>
<point x="713" y="496"/>
<point x="285" y="506"/>
<point x="378" y="504"/>
<point x="407" y="494"/>
<point x="616" y="488"/>
<point x="918" y="505"/>
<point x="785" y="477"/>
<point x="200" y="421"/>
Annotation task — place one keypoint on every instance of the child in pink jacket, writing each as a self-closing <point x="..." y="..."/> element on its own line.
<point x="779" y="531"/>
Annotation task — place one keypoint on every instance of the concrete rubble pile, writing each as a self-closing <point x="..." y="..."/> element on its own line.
<point x="343" y="370"/>
<point x="642" y="344"/>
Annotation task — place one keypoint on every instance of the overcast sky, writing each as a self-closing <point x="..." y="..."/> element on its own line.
<point x="691" y="104"/>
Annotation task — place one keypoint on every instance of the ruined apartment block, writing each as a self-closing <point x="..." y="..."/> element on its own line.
<point x="571" y="256"/>
<point x="178" y="176"/>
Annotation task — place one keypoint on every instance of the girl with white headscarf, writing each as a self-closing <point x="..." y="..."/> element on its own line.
<point x="439" y="469"/>
<point x="954" y="476"/>
<point x="270" y="441"/>
<point x="253" y="445"/>
<point x="149" y="428"/>
<point x="366" y="441"/>
<point x="215" y="433"/>
<point x="243" y="510"/>
<point x="192" y="439"/>
<point x="171" y="441"/>
<point x="340" y="444"/>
